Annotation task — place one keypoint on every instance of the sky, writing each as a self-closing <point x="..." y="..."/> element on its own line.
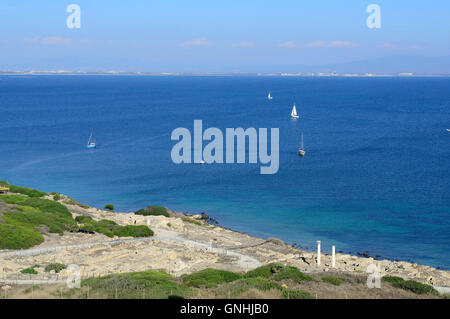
<point x="216" y="35"/>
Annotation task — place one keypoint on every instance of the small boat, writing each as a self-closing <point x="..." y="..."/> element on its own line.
<point x="269" y="97"/>
<point x="202" y="162"/>
<point x="301" y="151"/>
<point x="448" y="130"/>
<point x="91" y="143"/>
<point x="294" y="114"/>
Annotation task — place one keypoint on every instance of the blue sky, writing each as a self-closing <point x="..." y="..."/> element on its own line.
<point x="216" y="35"/>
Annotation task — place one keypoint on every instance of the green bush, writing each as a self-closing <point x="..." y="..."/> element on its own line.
<point x="153" y="211"/>
<point x="26" y="191"/>
<point x="18" y="237"/>
<point x="134" y="231"/>
<point x="278" y="272"/>
<point x="56" y="196"/>
<point x="57" y="267"/>
<point x="83" y="219"/>
<point x="109" y="207"/>
<point x="265" y="271"/>
<point x="410" y="285"/>
<point x="210" y="277"/>
<point x="289" y="272"/>
<point x="30" y="270"/>
<point x="332" y="280"/>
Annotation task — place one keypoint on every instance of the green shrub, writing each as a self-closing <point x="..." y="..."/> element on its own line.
<point x="153" y="211"/>
<point x="87" y="228"/>
<point x="210" y="277"/>
<point x="410" y="285"/>
<point x="30" y="270"/>
<point x="109" y="207"/>
<point x="83" y="219"/>
<point x="26" y="191"/>
<point x="56" y="196"/>
<point x="278" y="272"/>
<point x="18" y="237"/>
<point x="134" y="231"/>
<point x="57" y="267"/>
<point x="289" y="272"/>
<point x="332" y="280"/>
<point x="265" y="271"/>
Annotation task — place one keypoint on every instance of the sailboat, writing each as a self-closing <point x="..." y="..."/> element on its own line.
<point x="91" y="144"/>
<point x="269" y="97"/>
<point x="448" y="130"/>
<point x="294" y="114"/>
<point x="301" y="151"/>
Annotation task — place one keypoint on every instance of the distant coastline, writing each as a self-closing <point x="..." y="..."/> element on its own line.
<point x="280" y="74"/>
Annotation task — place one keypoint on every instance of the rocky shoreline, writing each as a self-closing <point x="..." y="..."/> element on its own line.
<point x="184" y="244"/>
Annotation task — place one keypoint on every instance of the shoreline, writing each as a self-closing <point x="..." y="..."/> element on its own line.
<point x="186" y="243"/>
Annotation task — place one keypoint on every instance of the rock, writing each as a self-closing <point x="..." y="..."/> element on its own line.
<point x="275" y="241"/>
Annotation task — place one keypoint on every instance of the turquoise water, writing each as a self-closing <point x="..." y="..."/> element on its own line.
<point x="376" y="176"/>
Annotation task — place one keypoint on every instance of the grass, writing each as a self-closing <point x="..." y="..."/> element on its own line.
<point x="410" y="285"/>
<point x="332" y="280"/>
<point x="57" y="267"/>
<point x="210" y="278"/>
<point x="153" y="211"/>
<point x="56" y="196"/>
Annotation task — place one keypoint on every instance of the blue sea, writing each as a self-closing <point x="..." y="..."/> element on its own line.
<point x="376" y="176"/>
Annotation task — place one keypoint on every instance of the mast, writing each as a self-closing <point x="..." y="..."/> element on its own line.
<point x="301" y="145"/>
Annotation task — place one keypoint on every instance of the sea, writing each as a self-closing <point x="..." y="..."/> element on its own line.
<point x="375" y="178"/>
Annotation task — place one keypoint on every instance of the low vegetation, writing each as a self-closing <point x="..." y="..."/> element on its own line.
<point x="30" y="270"/>
<point x="153" y="211"/>
<point x="111" y="229"/>
<point x="23" y="190"/>
<point x="192" y="221"/>
<point x="22" y="225"/>
<point x="332" y="280"/>
<point x="278" y="272"/>
<point x="210" y="278"/>
<point x="208" y="283"/>
<point x="109" y="207"/>
<point x="410" y="285"/>
<point x="57" y="267"/>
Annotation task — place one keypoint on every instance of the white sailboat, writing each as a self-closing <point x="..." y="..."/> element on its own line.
<point x="269" y="97"/>
<point x="294" y="114"/>
<point x="91" y="143"/>
<point x="301" y="151"/>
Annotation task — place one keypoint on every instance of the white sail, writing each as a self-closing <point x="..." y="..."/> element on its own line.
<point x="269" y="96"/>
<point x="294" y="112"/>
